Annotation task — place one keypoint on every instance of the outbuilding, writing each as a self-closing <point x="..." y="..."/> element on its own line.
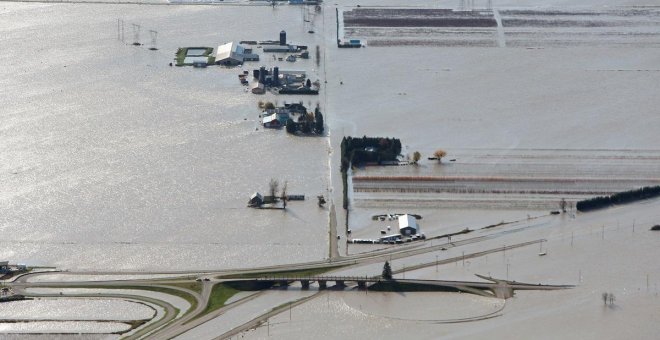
<point x="408" y="225"/>
<point x="256" y="200"/>
<point x="272" y="122"/>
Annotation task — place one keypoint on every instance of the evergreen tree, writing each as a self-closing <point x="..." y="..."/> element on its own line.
<point x="290" y="126"/>
<point x="319" y="122"/>
<point x="387" y="271"/>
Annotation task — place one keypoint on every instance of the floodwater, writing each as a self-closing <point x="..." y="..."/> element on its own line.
<point x="110" y="159"/>
<point x="60" y="327"/>
<point x="175" y="301"/>
<point x="75" y="309"/>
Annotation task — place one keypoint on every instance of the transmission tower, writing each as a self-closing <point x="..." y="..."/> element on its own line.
<point x="120" y="30"/>
<point x="136" y="35"/>
<point x="154" y="36"/>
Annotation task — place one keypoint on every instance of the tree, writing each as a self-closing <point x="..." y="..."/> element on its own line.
<point x="318" y="125"/>
<point x="416" y="157"/>
<point x="306" y="127"/>
<point x="562" y="205"/>
<point x="439" y="154"/>
<point x="387" y="271"/>
<point x="290" y="126"/>
<point x="610" y="296"/>
<point x="273" y="187"/>
<point x="605" y="296"/>
<point x="269" y="106"/>
<point x="284" y="193"/>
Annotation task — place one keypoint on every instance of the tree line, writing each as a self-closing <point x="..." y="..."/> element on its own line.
<point x="365" y="149"/>
<point x="618" y="198"/>
<point x="307" y="123"/>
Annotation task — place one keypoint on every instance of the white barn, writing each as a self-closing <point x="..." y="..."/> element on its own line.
<point x="408" y="225"/>
<point x="229" y="54"/>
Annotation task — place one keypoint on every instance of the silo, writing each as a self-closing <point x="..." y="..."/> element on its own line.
<point x="283" y="38"/>
<point x="276" y="76"/>
<point x="262" y="74"/>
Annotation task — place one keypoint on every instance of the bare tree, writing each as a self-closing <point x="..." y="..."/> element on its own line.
<point x="439" y="154"/>
<point x="284" y="193"/>
<point x="605" y="296"/>
<point x="273" y="187"/>
<point x="562" y="205"/>
<point x="611" y="298"/>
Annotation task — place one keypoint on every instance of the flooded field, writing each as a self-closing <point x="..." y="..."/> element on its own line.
<point x="64" y="327"/>
<point x="486" y="27"/>
<point x="112" y="159"/>
<point x="515" y="179"/>
<point x="75" y="309"/>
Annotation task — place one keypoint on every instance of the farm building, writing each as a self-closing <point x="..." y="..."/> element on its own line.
<point x="256" y="200"/>
<point x="272" y="122"/>
<point x="232" y="54"/>
<point x="408" y="225"/>
<point x="282" y="114"/>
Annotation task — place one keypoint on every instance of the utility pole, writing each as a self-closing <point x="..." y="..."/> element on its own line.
<point x="436" y="263"/>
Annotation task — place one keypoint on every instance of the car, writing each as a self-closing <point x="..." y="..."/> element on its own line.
<point x="207" y="279"/>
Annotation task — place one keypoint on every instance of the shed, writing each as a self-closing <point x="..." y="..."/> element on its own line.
<point x="272" y="121"/>
<point x="259" y="89"/>
<point x="408" y="225"/>
<point x="256" y="200"/>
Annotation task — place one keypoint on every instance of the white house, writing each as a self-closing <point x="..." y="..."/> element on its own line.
<point x="408" y="225"/>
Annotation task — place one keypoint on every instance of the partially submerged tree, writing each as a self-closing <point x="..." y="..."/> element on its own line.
<point x="439" y="154"/>
<point x="273" y="187"/>
<point x="416" y="157"/>
<point x="387" y="271"/>
<point x="284" y="193"/>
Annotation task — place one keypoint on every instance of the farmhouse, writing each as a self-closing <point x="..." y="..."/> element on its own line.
<point x="408" y="225"/>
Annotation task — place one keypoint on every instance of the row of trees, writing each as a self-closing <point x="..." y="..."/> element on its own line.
<point x="618" y="198"/>
<point x="437" y="154"/>
<point x="365" y="149"/>
<point x="368" y="149"/>
<point x="307" y="123"/>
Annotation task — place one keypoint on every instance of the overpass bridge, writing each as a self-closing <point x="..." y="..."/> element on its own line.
<point x="491" y="287"/>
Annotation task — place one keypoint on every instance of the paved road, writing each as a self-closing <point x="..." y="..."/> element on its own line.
<point x="179" y="326"/>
